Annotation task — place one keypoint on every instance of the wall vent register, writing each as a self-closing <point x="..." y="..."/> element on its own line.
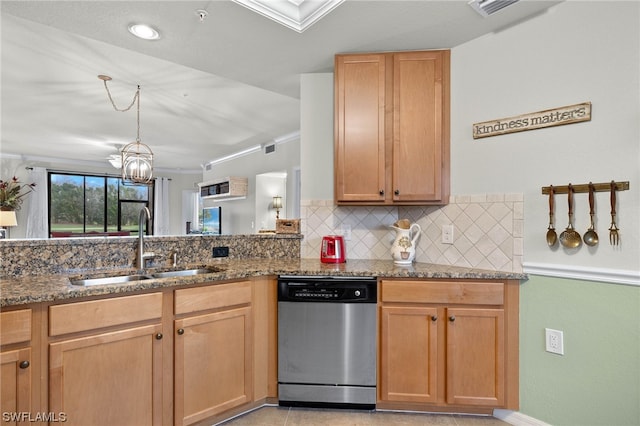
<point x="225" y="188"/>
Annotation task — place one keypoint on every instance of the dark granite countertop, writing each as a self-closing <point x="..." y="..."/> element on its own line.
<point x="46" y="288"/>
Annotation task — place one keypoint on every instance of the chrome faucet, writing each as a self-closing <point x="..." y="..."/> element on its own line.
<point x="145" y="214"/>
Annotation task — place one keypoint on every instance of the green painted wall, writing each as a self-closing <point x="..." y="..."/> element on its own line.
<point x="597" y="381"/>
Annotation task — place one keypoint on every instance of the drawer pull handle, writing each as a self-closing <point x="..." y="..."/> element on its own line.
<point x="396" y="192"/>
<point x="452" y="318"/>
<point x="24" y="364"/>
<point x="159" y="336"/>
<point x="434" y="318"/>
<point x="181" y="331"/>
<point x="382" y="192"/>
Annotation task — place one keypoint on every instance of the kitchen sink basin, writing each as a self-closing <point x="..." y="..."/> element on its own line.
<point x="122" y="279"/>
<point x="109" y="280"/>
<point x="185" y="272"/>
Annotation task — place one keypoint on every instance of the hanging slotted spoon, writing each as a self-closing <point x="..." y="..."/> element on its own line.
<point x="570" y="238"/>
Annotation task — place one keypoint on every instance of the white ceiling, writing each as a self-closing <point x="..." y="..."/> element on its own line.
<point x="209" y="88"/>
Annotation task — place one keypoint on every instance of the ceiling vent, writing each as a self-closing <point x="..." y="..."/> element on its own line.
<point x="268" y="149"/>
<point x="489" y="7"/>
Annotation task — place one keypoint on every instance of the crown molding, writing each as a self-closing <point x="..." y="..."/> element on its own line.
<point x="297" y="15"/>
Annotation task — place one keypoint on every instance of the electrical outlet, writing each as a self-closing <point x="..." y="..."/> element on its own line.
<point x="447" y="234"/>
<point x="221" y="252"/>
<point x="554" y="341"/>
<point x="346" y="231"/>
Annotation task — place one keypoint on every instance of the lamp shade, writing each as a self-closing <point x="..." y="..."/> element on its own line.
<point x="8" y="218"/>
<point x="277" y="202"/>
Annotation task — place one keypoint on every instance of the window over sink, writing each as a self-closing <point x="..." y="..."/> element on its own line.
<point x="82" y="205"/>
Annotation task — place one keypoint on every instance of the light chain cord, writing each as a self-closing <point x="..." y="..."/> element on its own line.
<point x="135" y="97"/>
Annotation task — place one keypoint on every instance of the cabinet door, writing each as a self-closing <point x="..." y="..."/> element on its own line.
<point x="408" y="364"/>
<point x="15" y="383"/>
<point x="475" y="356"/>
<point x="360" y="128"/>
<point x="108" y="379"/>
<point x="213" y="364"/>
<point x="420" y="126"/>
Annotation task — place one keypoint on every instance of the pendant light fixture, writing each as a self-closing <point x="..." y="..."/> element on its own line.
<point x="136" y="157"/>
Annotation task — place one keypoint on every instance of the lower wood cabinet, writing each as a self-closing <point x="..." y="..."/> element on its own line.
<point x="408" y="354"/>
<point x="15" y="365"/>
<point x="185" y="356"/>
<point x="447" y="345"/>
<point x="105" y="361"/>
<point x="475" y="356"/>
<point x="198" y="355"/>
<point x="213" y="351"/>
<point x="112" y="378"/>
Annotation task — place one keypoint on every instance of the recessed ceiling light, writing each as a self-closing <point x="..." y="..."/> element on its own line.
<point x="144" y="31"/>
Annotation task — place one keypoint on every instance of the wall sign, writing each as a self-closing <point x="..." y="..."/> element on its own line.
<point x="535" y="120"/>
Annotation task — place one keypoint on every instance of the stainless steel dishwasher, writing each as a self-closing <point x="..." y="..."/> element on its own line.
<point x="327" y="341"/>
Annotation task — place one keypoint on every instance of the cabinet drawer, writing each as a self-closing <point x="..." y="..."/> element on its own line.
<point x="450" y="292"/>
<point x="83" y="316"/>
<point x="212" y="297"/>
<point x="15" y="326"/>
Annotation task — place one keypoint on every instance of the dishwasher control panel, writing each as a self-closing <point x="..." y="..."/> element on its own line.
<point x="323" y="289"/>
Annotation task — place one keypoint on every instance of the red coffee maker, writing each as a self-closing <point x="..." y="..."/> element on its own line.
<point x="332" y="249"/>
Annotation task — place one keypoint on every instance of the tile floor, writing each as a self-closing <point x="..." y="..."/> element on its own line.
<point x="283" y="416"/>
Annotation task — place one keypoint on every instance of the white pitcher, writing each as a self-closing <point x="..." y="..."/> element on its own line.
<point x="403" y="249"/>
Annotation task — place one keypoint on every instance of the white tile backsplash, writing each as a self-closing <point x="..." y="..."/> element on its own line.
<point x="488" y="230"/>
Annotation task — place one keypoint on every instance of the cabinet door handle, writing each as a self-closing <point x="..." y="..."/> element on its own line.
<point x="24" y="364"/>
<point x="159" y="336"/>
<point x="452" y="318"/>
<point x="434" y="318"/>
<point x="181" y="331"/>
<point x="382" y="192"/>
<point x="396" y="192"/>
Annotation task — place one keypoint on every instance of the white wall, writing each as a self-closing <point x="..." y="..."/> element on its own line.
<point x="269" y="185"/>
<point x="577" y="52"/>
<point x="571" y="54"/>
<point x="316" y="128"/>
<point x="238" y="216"/>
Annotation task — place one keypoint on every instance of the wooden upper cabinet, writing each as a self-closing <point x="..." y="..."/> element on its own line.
<point x="360" y="127"/>
<point x="421" y="127"/>
<point x="392" y="128"/>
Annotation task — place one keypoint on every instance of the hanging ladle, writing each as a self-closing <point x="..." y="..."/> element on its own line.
<point x="552" y="237"/>
<point x="570" y="238"/>
<point x="591" y="237"/>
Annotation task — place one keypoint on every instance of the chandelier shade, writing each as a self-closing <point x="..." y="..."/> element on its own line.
<point x="137" y="163"/>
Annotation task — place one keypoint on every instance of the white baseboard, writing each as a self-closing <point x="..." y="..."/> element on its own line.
<point x="517" y="419"/>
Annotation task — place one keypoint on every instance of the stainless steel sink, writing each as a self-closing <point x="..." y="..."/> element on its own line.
<point x="122" y="279"/>
<point x="109" y="280"/>
<point x="185" y="272"/>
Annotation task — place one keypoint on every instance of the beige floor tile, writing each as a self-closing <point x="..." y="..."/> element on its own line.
<point x="478" y="421"/>
<point x="323" y="417"/>
<point x="265" y="416"/>
<point x="382" y="418"/>
<point x="282" y="416"/>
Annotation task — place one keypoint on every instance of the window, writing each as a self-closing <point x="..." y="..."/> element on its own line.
<point x="89" y="204"/>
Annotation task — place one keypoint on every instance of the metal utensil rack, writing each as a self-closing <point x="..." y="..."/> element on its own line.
<point x="584" y="187"/>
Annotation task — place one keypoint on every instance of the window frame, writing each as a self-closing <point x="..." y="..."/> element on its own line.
<point x="149" y="202"/>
